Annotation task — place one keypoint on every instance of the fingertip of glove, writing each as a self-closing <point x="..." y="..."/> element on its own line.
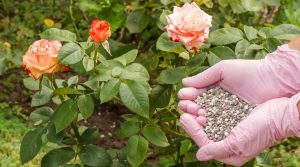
<point x="202" y="156"/>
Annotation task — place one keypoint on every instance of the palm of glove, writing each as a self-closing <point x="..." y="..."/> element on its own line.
<point x="273" y="121"/>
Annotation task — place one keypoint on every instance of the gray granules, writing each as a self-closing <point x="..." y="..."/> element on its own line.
<point x="223" y="112"/>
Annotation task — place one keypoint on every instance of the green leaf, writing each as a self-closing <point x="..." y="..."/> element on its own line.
<point x="252" y="5"/>
<point x="212" y="59"/>
<point x="66" y="91"/>
<point x="260" y="54"/>
<point x="240" y="48"/>
<point x="163" y="43"/>
<point x="225" y="36"/>
<point x="31" y="83"/>
<point x="136" y="150"/>
<point x="237" y="7"/>
<point x="116" y="71"/>
<point x="135" y="72"/>
<point x="265" y="32"/>
<point x="155" y="135"/>
<point x="54" y="137"/>
<point x="272" y="44"/>
<point x="194" y="65"/>
<point x="73" y="80"/>
<point x="94" y="156"/>
<point x="223" y="52"/>
<point x="88" y="63"/>
<point x="172" y="76"/>
<point x="58" y="157"/>
<point x="70" y="53"/>
<point x="251" y="33"/>
<point x="272" y="2"/>
<point x="65" y="114"/>
<point x="128" y="57"/>
<point x="57" y="34"/>
<point x="109" y="90"/>
<point x="89" y="136"/>
<point x="43" y="113"/>
<point x="86" y="105"/>
<point x="135" y="97"/>
<point x="251" y="51"/>
<point x="285" y="32"/>
<point x="40" y="98"/>
<point x="127" y="129"/>
<point x="186" y="144"/>
<point x="31" y="144"/>
<point x="104" y="50"/>
<point x="163" y="17"/>
<point x="137" y="21"/>
<point x="160" y="96"/>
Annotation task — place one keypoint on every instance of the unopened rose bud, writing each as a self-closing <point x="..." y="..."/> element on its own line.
<point x="100" y="31"/>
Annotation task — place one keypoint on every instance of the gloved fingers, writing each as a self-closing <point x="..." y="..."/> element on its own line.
<point x="194" y="129"/>
<point x="182" y="104"/>
<point x="190" y="93"/>
<point x="214" y="150"/>
<point x="193" y="108"/>
<point x="206" y="78"/>
<point x="201" y="112"/>
<point x="201" y="120"/>
<point x="189" y="107"/>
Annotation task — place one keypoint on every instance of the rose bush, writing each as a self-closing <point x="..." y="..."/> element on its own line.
<point x="146" y="81"/>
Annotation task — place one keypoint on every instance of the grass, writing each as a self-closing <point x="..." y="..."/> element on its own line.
<point x="12" y="130"/>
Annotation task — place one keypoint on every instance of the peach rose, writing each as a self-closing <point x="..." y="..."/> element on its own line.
<point x="100" y="31"/>
<point x="41" y="58"/>
<point x="189" y="25"/>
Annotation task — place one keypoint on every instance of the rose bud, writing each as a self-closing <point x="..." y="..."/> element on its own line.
<point x="100" y="31"/>
<point x="41" y="58"/>
<point x="189" y="25"/>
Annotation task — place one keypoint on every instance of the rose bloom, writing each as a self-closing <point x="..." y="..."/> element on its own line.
<point x="189" y="25"/>
<point x="100" y="30"/>
<point x="41" y="58"/>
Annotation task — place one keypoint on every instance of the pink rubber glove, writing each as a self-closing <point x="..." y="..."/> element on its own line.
<point x="255" y="81"/>
<point x="267" y="123"/>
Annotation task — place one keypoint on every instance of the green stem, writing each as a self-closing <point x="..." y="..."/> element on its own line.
<point x="72" y="17"/>
<point x="166" y="129"/>
<point x="75" y="128"/>
<point x="95" y="55"/>
<point x="74" y="123"/>
<point x="178" y="154"/>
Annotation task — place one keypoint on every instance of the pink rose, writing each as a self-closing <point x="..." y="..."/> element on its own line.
<point x="189" y="25"/>
<point x="41" y="58"/>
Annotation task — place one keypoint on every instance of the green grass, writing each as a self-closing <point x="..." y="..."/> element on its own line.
<point x="12" y="130"/>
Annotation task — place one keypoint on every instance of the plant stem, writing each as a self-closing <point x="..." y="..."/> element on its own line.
<point x="75" y="128"/>
<point x="72" y="17"/>
<point x="74" y="123"/>
<point x="95" y="55"/>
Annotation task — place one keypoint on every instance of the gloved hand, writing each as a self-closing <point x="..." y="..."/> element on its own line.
<point x="255" y="81"/>
<point x="267" y="123"/>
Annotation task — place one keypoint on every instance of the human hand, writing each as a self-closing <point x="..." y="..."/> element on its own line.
<point x="255" y="81"/>
<point x="273" y="120"/>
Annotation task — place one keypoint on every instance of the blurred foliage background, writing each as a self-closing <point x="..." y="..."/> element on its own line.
<point x="135" y="24"/>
